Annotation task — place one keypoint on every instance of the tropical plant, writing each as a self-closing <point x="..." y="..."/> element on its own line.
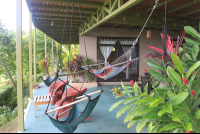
<point x="43" y="66"/>
<point x="75" y="65"/>
<point x="172" y="107"/>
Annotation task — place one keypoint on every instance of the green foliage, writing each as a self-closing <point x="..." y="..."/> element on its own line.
<point x="90" y="75"/>
<point x="172" y="107"/>
<point x="8" y="96"/>
<point x="6" y="115"/>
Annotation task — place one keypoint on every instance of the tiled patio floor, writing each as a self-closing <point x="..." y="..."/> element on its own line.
<point x="102" y="120"/>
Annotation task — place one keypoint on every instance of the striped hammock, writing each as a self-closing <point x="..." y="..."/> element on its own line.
<point x="106" y="71"/>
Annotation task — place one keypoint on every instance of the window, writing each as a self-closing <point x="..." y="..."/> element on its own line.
<point x="115" y="47"/>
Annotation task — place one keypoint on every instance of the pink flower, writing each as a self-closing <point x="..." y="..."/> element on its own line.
<point x="193" y="92"/>
<point x="145" y="70"/>
<point x="189" y="132"/>
<point x="132" y="82"/>
<point x="185" y="80"/>
<point x="7" y="83"/>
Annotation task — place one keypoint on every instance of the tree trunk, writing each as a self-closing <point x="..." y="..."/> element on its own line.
<point x="8" y="73"/>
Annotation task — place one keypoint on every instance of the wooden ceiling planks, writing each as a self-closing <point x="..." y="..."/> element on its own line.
<point x="44" y="11"/>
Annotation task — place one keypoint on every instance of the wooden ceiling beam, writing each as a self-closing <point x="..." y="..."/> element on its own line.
<point x="60" y="13"/>
<point x="81" y="2"/>
<point x="193" y="2"/>
<point x="56" y="17"/>
<point x="42" y="7"/>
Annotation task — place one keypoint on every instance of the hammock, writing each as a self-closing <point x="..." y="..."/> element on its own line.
<point x="49" y="80"/>
<point x="106" y="71"/>
<point x="75" y="117"/>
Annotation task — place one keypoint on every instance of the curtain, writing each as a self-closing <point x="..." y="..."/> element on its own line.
<point x="106" y="51"/>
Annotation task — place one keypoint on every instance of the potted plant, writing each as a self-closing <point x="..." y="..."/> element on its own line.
<point x="43" y="66"/>
<point x="36" y="85"/>
<point x="174" y="106"/>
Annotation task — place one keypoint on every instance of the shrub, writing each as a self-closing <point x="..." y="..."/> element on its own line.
<point x="8" y="97"/>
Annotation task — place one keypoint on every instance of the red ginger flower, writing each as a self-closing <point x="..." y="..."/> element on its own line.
<point x="193" y="92"/>
<point x="189" y="132"/>
<point x="132" y="82"/>
<point x="145" y="70"/>
<point x="185" y="80"/>
<point x="7" y="83"/>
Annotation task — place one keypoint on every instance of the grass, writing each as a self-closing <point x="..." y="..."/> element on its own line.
<point x="10" y="127"/>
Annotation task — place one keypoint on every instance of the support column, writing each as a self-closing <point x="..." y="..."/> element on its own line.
<point x="19" y="65"/>
<point x="30" y="57"/>
<point x="52" y="56"/>
<point x="34" y="54"/>
<point x="45" y="46"/>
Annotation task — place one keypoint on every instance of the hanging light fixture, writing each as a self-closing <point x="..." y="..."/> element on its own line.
<point x="149" y="33"/>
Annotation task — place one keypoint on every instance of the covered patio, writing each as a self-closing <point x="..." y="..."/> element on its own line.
<point x="100" y="19"/>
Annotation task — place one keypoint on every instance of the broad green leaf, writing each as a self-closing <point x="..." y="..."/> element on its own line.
<point x="178" y="114"/>
<point x="156" y="102"/>
<point x="178" y="63"/>
<point x="191" y="42"/>
<point x="170" y="94"/>
<point x="136" y="89"/>
<point x="170" y="126"/>
<point x="131" y="123"/>
<point x="158" y="76"/>
<point x="165" y="119"/>
<point x="146" y="88"/>
<point x="161" y="112"/>
<point x="144" y="94"/>
<point x="196" y="103"/>
<point x="159" y="91"/>
<point x="178" y="98"/>
<point x="141" y="124"/>
<point x="158" y="60"/>
<point x="193" y="77"/>
<point x="122" y="110"/>
<point x="197" y="114"/>
<point x="154" y="65"/>
<point x="168" y="107"/>
<point x="130" y="99"/>
<point x="116" y="104"/>
<point x="190" y="30"/>
<point x="155" y="83"/>
<point x="130" y="115"/>
<point x="192" y="69"/>
<point x="185" y="118"/>
<point x="187" y="56"/>
<point x="150" y="127"/>
<point x="152" y="114"/>
<point x="175" y="131"/>
<point x="184" y="106"/>
<point x="175" y="77"/>
<point x="150" y="99"/>
<point x="195" y="127"/>
<point x="195" y="51"/>
<point x="125" y="89"/>
<point x="145" y="110"/>
<point x="188" y="126"/>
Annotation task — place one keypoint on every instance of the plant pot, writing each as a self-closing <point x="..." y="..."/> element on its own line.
<point x="35" y="86"/>
<point x="45" y="77"/>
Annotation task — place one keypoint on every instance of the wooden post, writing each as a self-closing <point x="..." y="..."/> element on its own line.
<point x="34" y="54"/>
<point x="19" y="65"/>
<point x="30" y="57"/>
